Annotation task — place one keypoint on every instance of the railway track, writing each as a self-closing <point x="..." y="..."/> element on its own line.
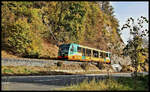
<point x="33" y="62"/>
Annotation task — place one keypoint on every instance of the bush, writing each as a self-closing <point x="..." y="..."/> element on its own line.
<point x="22" y="40"/>
<point x="59" y="64"/>
<point x="124" y="68"/>
<point x="142" y="77"/>
<point x="31" y="55"/>
<point x="19" y="38"/>
<point x="100" y="65"/>
<point x="85" y="66"/>
<point x="127" y="68"/>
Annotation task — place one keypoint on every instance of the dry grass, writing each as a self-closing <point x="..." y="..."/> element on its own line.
<point x="130" y="68"/>
<point x="28" y="70"/>
<point x="5" y="54"/>
<point x="64" y="68"/>
<point x="12" y="70"/>
<point x="49" y="50"/>
<point x="103" y="85"/>
<point x="109" y="84"/>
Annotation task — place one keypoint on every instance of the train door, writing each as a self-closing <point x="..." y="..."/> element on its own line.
<point x="104" y="55"/>
<point x="83" y="53"/>
<point x="72" y="50"/>
<point x="71" y="55"/>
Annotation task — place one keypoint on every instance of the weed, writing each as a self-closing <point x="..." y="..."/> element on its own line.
<point x="109" y="84"/>
<point x="85" y="65"/>
<point x="8" y="71"/>
<point x="59" y="64"/>
<point x="100" y="66"/>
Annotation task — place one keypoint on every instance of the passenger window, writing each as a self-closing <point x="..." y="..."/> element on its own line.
<point x="104" y="55"/>
<point x="95" y="53"/>
<point x="83" y="52"/>
<point x="79" y="49"/>
<point x="107" y="55"/>
<point x="88" y="52"/>
<point x="101" y="55"/>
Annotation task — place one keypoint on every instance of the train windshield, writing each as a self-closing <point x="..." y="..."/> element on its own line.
<point x="64" y="48"/>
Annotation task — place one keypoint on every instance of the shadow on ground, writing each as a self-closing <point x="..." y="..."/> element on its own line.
<point x="51" y="80"/>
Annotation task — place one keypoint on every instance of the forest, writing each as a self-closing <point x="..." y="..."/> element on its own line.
<point x="33" y="29"/>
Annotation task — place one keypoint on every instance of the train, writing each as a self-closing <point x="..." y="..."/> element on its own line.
<point x="78" y="52"/>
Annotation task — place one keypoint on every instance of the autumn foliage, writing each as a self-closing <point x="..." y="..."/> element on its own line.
<point x="27" y="25"/>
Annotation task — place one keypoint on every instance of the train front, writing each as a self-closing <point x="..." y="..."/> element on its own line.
<point x="63" y="51"/>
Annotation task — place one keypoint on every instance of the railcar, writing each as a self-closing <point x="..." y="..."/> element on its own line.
<point x="83" y="53"/>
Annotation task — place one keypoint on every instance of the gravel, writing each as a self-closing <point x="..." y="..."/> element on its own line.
<point x="32" y="62"/>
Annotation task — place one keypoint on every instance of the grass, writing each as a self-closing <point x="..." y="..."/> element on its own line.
<point x="106" y="84"/>
<point x="120" y="84"/>
<point x="11" y="70"/>
<point x="28" y="70"/>
<point x="6" y="54"/>
<point x="36" y="70"/>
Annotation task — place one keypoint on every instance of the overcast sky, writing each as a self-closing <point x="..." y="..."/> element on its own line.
<point x="124" y="10"/>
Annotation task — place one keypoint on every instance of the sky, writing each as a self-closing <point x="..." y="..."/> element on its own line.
<point x="124" y="10"/>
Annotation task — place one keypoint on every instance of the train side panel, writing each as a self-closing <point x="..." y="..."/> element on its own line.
<point x="75" y="54"/>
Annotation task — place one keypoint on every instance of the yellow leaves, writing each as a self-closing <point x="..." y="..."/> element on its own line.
<point x="141" y="58"/>
<point x="53" y="4"/>
<point x="22" y="23"/>
<point x="82" y="21"/>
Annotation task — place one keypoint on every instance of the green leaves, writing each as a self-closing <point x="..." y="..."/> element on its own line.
<point x="17" y="31"/>
<point x="135" y="48"/>
<point x="25" y="24"/>
<point x="70" y="19"/>
<point x="18" y="36"/>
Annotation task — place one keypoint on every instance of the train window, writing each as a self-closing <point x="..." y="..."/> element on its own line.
<point x="64" y="48"/>
<point x="83" y="51"/>
<point x="95" y="53"/>
<point x="107" y="55"/>
<point x="88" y="52"/>
<point x="79" y="49"/>
<point x="104" y="55"/>
<point x="101" y="54"/>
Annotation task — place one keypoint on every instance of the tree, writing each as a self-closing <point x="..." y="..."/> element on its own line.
<point x="134" y="47"/>
<point x="66" y="20"/>
<point x="20" y="33"/>
<point x="107" y="8"/>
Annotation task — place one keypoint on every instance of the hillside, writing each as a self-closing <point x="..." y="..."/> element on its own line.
<point x="33" y="29"/>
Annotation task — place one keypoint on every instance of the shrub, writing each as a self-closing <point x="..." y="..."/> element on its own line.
<point x="22" y="40"/>
<point x="103" y="85"/>
<point x="85" y="65"/>
<point x="34" y="50"/>
<point x="59" y="64"/>
<point x="100" y="66"/>
<point x="124" y="68"/>
<point x="19" y="38"/>
<point x="7" y="71"/>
